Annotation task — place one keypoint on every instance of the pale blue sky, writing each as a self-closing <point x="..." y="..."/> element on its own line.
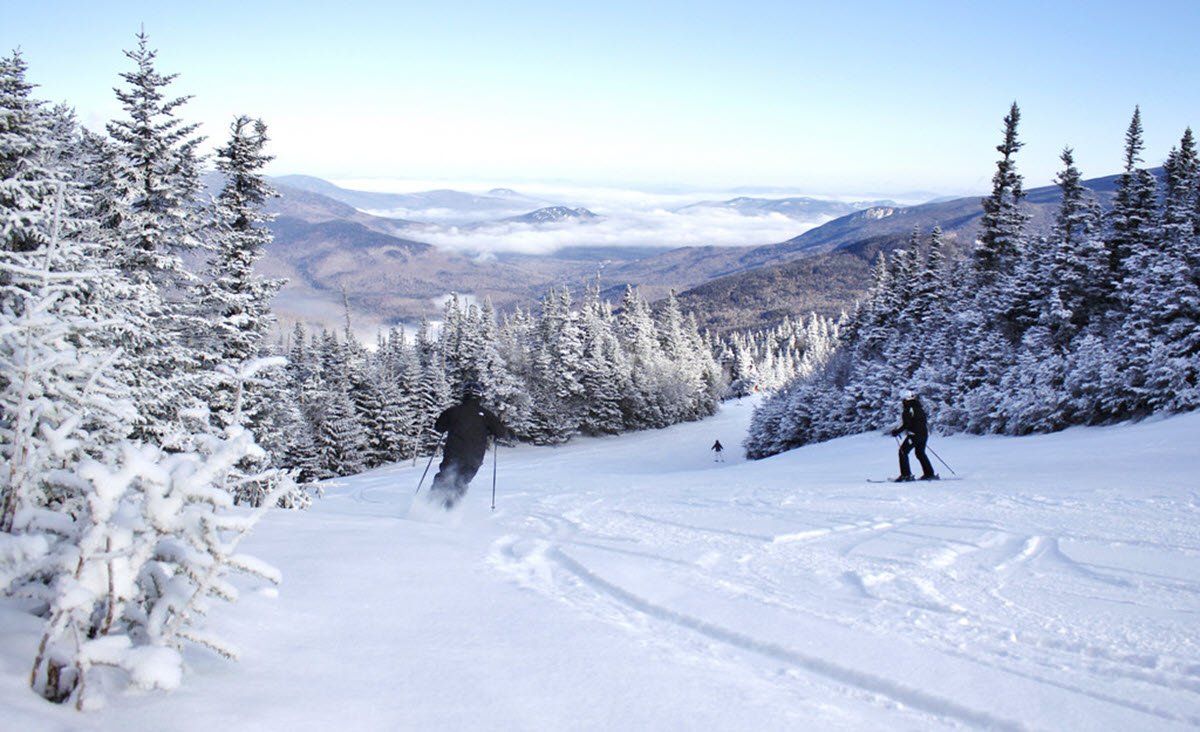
<point x="830" y="97"/>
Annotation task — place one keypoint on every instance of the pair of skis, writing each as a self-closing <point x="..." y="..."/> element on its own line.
<point x="939" y="479"/>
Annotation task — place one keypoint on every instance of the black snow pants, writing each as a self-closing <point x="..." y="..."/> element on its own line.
<point x="454" y="475"/>
<point x="915" y="442"/>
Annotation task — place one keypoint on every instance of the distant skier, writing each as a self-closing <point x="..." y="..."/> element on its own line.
<point x="467" y="427"/>
<point x="913" y="421"/>
<point x="718" y="449"/>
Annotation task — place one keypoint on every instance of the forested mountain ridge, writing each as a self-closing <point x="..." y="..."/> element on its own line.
<point x="827" y="269"/>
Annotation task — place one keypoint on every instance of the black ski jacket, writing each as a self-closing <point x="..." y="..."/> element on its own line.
<point x="467" y="426"/>
<point x="913" y="421"/>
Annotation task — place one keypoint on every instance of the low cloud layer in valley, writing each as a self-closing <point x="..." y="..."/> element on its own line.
<point x="655" y="228"/>
<point x="478" y="223"/>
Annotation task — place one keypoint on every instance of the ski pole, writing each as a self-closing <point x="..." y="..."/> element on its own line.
<point x="939" y="457"/>
<point x="432" y="455"/>
<point x="495" y="449"/>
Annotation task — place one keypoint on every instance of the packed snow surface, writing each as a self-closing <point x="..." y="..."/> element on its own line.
<point x="635" y="583"/>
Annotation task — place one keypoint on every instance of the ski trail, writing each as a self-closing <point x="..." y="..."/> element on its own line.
<point x="894" y="690"/>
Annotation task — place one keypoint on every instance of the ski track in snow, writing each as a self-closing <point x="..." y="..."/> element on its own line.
<point x="1049" y="589"/>
<point x="954" y="572"/>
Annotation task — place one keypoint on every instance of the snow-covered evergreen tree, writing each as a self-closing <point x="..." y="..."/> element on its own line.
<point x="240" y="297"/>
<point x="120" y="542"/>
<point x="28" y="180"/>
<point x="1001" y="240"/>
<point x="1161" y="335"/>
<point x="1132" y="218"/>
<point x="147" y="199"/>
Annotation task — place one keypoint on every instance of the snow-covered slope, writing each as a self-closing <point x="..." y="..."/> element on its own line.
<point x="634" y="583"/>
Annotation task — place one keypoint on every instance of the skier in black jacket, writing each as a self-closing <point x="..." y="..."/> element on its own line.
<point x="467" y="427"/>
<point x="913" y="421"/>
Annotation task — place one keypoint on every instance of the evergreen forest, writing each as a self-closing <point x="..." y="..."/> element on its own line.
<point x="1099" y="322"/>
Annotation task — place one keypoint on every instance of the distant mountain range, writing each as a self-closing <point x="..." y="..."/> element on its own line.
<point x="331" y="248"/>
<point x="801" y="208"/>
<point x="448" y="206"/>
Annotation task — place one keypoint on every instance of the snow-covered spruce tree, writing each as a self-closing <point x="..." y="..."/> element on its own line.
<point x="514" y="344"/>
<point x="375" y="402"/>
<point x="1162" y="324"/>
<point x="1002" y="234"/>
<point x="433" y="390"/>
<point x="239" y="299"/>
<point x="639" y="339"/>
<point x="154" y="544"/>
<point x="406" y="368"/>
<point x="680" y="379"/>
<point x="236" y="302"/>
<point x="341" y="440"/>
<point x="27" y="183"/>
<point x="161" y="170"/>
<point x="1132" y="218"/>
<point x="299" y="407"/>
<point x="59" y="395"/>
<point x="711" y="379"/>
<point x="503" y="390"/>
<point x="555" y="386"/>
<point x="688" y="380"/>
<point x="460" y="343"/>
<point x="742" y="368"/>
<point x="392" y="443"/>
<point x="604" y="370"/>
<point x="931" y="309"/>
<point x="148" y="201"/>
<point x="1078" y="273"/>
<point x="1132" y="234"/>
<point x="869" y="381"/>
<point x="59" y="392"/>
<point x="992" y="323"/>
<point x="1064" y="280"/>
<point x="904" y="350"/>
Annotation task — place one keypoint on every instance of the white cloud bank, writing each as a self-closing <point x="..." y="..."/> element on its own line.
<point x="627" y="218"/>
<point x="657" y="228"/>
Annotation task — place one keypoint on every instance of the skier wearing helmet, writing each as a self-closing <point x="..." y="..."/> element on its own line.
<point x="913" y="421"/>
<point x="467" y="427"/>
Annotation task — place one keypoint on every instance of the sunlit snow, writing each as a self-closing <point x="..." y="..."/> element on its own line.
<point x="634" y="583"/>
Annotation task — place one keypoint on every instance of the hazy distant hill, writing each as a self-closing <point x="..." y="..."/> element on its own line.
<point x="553" y="215"/>
<point x="443" y="205"/>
